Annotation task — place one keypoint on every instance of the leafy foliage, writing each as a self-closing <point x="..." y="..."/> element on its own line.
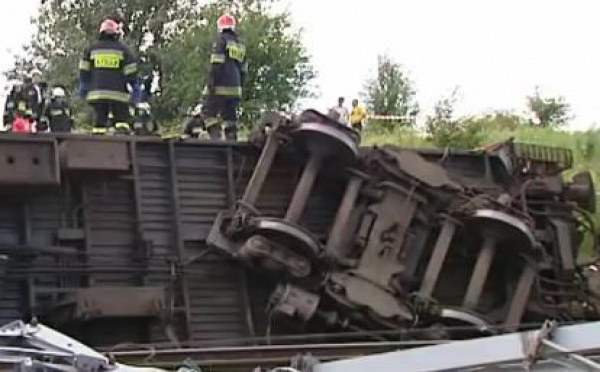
<point x="549" y="112"/>
<point x="178" y="35"/>
<point x="587" y="148"/>
<point x="499" y="120"/>
<point x="391" y="92"/>
<point x="279" y="68"/>
<point x="443" y="129"/>
<point x="66" y="27"/>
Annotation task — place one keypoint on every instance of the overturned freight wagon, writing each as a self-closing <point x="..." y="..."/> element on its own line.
<point x="293" y="238"/>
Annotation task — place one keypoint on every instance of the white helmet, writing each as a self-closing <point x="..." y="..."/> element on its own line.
<point x="58" y="92"/>
<point x="34" y="72"/>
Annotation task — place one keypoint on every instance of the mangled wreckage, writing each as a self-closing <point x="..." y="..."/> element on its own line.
<point x="187" y="242"/>
<point x="418" y="240"/>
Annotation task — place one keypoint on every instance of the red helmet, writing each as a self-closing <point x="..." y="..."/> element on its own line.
<point x="110" y="27"/>
<point x="226" y="22"/>
<point x="21" y="125"/>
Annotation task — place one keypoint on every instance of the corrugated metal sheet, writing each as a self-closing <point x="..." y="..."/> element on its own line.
<point x="201" y="176"/>
<point x="217" y="308"/>
<point x="112" y="237"/>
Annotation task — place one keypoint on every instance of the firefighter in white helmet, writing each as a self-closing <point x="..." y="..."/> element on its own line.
<point x="57" y="112"/>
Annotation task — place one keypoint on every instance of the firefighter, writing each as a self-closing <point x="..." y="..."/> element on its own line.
<point x="194" y="125"/>
<point x="223" y="93"/>
<point x="144" y="123"/>
<point x="149" y="70"/>
<point x="107" y="68"/>
<point x="19" y="109"/>
<point x="57" y="112"/>
<point x="16" y="102"/>
<point x="35" y="89"/>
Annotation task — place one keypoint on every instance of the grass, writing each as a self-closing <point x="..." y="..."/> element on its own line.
<point x="584" y="145"/>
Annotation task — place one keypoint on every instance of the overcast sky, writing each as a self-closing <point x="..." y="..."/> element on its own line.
<point x="496" y="51"/>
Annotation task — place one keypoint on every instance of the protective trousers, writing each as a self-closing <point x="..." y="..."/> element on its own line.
<point x="102" y="109"/>
<point x="61" y="124"/>
<point x="224" y="107"/>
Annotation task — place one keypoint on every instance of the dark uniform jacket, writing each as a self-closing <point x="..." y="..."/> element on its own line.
<point x="16" y="102"/>
<point x="228" y="65"/>
<point x="59" y="116"/>
<point x="107" y="67"/>
<point x="36" y="96"/>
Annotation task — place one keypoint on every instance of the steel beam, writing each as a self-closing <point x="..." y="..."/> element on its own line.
<point x="509" y="350"/>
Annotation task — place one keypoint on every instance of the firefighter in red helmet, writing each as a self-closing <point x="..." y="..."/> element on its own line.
<point x="223" y="92"/>
<point x="107" y="69"/>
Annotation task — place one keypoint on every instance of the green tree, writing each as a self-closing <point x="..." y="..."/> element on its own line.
<point x="279" y="68"/>
<point x="391" y="92"/>
<point x="178" y="36"/>
<point x="444" y="130"/>
<point x="548" y="112"/>
<point x="65" y="27"/>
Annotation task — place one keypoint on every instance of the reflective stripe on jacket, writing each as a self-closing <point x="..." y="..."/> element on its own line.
<point x="228" y="65"/>
<point x="107" y="67"/>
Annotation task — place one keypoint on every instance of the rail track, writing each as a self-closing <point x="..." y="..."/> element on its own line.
<point x="221" y="359"/>
<point x="245" y="358"/>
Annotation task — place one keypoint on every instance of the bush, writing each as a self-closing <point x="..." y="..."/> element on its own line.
<point x="500" y="120"/>
<point x="443" y="130"/>
<point x="464" y="133"/>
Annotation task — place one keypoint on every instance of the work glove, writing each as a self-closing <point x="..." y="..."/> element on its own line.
<point x="84" y="89"/>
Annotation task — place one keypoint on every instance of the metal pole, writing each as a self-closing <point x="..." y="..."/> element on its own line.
<point x="263" y="166"/>
<point x="303" y="190"/>
<point x="338" y="235"/>
<point x="437" y="258"/>
<point x="482" y="268"/>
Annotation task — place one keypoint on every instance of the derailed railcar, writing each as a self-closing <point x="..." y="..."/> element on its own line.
<point x="453" y="245"/>
<point x="105" y="237"/>
<point x="147" y="241"/>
